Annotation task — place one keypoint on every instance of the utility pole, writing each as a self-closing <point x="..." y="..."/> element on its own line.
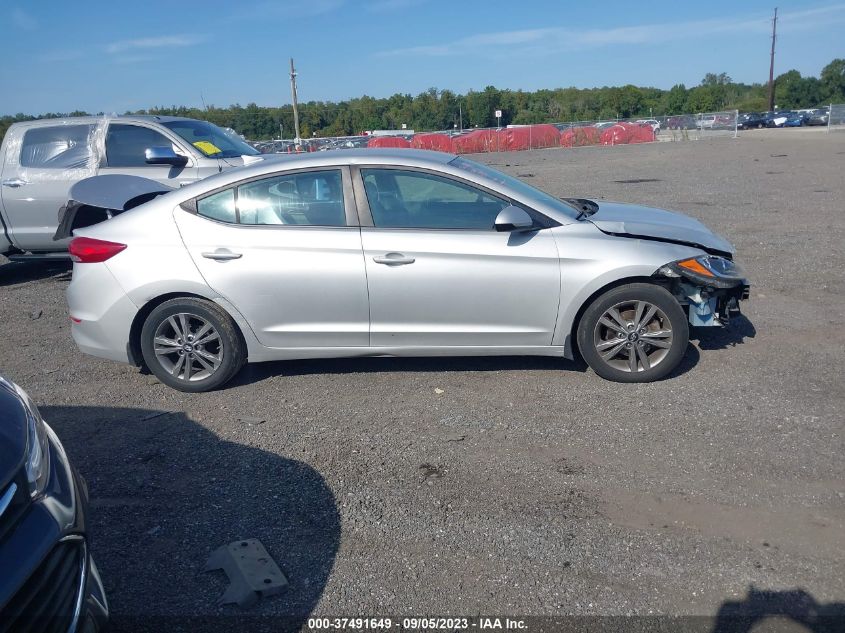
<point x="772" y="63"/>
<point x="293" y="94"/>
<point x="461" y="115"/>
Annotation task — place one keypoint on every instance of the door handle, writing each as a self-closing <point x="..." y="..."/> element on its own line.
<point x="221" y="255"/>
<point x="15" y="182"/>
<point x="394" y="259"/>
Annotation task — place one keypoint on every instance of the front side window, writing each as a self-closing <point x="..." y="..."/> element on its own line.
<point x="411" y="199"/>
<point x="126" y="145"/>
<point x="59" y="147"/>
<point x="302" y="199"/>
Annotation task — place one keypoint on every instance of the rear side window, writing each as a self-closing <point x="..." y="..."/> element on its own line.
<point x="126" y="145"/>
<point x="313" y="198"/>
<point x="59" y="147"/>
<point x="305" y="199"/>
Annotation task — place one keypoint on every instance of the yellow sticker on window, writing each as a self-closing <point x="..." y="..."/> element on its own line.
<point x="207" y="148"/>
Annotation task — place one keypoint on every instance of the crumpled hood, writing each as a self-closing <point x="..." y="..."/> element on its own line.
<point x="637" y="221"/>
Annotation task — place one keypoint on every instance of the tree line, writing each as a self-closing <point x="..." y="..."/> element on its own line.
<point x="444" y="109"/>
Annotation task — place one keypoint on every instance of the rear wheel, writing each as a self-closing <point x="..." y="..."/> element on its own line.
<point x="633" y="333"/>
<point x="192" y="344"/>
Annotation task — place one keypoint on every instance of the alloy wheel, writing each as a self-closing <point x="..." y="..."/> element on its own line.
<point x="188" y="347"/>
<point x="633" y="336"/>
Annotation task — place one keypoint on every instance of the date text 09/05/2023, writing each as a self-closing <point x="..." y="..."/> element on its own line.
<point x="416" y="624"/>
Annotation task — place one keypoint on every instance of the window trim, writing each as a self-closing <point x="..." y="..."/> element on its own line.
<point x="192" y="205"/>
<point x="366" y="217"/>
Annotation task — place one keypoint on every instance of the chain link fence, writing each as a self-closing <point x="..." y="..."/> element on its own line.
<point x="836" y="117"/>
<point x="526" y="137"/>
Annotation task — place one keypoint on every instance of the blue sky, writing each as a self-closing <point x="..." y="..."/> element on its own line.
<point x="104" y="56"/>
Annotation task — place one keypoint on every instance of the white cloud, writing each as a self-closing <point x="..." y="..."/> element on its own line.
<point x="285" y="9"/>
<point x="387" y="6"/>
<point x="60" y="56"/>
<point x="23" y="20"/>
<point x="556" y="39"/>
<point x="146" y="43"/>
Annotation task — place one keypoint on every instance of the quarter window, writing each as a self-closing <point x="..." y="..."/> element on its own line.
<point x="410" y="199"/>
<point x="219" y="206"/>
<point x="60" y="147"/>
<point x="126" y="144"/>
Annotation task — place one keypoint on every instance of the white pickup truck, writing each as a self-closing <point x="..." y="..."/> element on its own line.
<point x="41" y="160"/>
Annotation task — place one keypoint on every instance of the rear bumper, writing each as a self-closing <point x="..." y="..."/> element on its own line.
<point x="101" y="312"/>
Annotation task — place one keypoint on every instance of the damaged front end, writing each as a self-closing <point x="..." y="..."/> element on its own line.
<point x="710" y="285"/>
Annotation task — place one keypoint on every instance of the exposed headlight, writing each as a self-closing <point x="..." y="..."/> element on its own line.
<point x="710" y="270"/>
<point x="37" y="463"/>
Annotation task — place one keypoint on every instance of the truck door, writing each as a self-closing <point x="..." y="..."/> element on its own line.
<point x="41" y="164"/>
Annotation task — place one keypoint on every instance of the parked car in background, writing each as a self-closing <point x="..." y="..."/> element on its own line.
<point x="681" y="122"/>
<point x="49" y="581"/>
<point x="776" y="119"/>
<point x="751" y="120"/>
<point x="40" y="161"/>
<point x="795" y="119"/>
<point x="654" y="123"/>
<point x="706" y="121"/>
<point x="359" y="253"/>
<point x="818" y="116"/>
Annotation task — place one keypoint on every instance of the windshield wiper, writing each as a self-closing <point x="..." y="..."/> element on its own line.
<point x="584" y="207"/>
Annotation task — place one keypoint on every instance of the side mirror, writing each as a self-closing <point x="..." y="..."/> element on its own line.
<point x="164" y="156"/>
<point x="513" y="218"/>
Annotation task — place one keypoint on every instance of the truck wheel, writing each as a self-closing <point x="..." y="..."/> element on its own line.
<point x="192" y="344"/>
<point x="633" y="333"/>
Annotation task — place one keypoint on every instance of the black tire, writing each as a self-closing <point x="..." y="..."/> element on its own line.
<point x="657" y="349"/>
<point x="220" y="348"/>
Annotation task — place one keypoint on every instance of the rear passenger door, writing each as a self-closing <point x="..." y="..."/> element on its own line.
<point x="285" y="250"/>
<point x="126" y="145"/>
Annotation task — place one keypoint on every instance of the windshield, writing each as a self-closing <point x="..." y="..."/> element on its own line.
<point x="514" y="183"/>
<point x="211" y="140"/>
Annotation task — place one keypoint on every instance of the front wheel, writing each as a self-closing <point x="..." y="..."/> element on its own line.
<point x="633" y="333"/>
<point x="192" y="344"/>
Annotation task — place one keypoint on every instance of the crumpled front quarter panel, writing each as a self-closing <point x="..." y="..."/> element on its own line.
<point x="590" y="260"/>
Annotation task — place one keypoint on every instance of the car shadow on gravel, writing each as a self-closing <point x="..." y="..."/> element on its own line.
<point x="14" y="273"/>
<point x="788" y="611"/>
<point x="165" y="492"/>
<point x="735" y="333"/>
<point x="261" y="371"/>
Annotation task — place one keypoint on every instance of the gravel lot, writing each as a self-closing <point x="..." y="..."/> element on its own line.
<point x="496" y="486"/>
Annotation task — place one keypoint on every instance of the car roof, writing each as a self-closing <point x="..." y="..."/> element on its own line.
<point x="270" y="163"/>
<point x="84" y="120"/>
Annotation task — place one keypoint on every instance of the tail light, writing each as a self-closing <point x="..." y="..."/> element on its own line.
<point x="87" y="250"/>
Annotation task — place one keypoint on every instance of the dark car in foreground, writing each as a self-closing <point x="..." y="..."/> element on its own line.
<point x="48" y="580"/>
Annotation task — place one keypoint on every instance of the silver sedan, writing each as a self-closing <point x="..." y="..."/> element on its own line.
<point x="392" y="253"/>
